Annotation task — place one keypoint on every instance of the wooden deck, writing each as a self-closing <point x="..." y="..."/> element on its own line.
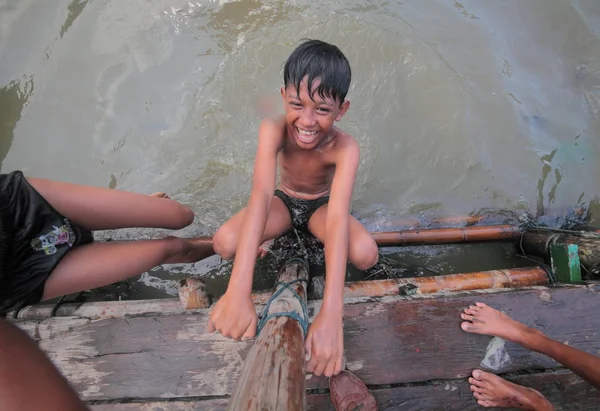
<point x="409" y="350"/>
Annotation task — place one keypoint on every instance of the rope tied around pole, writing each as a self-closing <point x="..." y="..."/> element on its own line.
<point x="302" y="320"/>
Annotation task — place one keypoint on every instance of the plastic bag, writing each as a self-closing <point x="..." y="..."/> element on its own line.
<point x="496" y="356"/>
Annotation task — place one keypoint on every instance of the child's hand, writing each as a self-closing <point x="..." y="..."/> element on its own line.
<point x="325" y="344"/>
<point x="234" y="316"/>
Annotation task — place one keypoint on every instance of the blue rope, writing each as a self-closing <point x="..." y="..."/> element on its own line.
<point x="303" y="321"/>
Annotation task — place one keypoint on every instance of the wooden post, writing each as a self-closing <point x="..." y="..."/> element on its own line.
<point x="539" y="243"/>
<point x="565" y="262"/>
<point x="192" y="294"/>
<point x="273" y="377"/>
<point x="317" y="289"/>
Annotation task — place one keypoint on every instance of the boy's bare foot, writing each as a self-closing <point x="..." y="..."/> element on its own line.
<point x="189" y="250"/>
<point x="493" y="391"/>
<point x="264" y="249"/>
<point x="482" y="319"/>
<point x="160" y="194"/>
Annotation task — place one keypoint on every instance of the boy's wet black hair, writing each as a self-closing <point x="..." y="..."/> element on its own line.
<point x="316" y="59"/>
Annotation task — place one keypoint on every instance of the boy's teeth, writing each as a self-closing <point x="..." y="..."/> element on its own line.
<point x="308" y="133"/>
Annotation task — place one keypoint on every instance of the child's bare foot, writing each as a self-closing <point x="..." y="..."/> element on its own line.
<point x="160" y="194"/>
<point x="482" y="319"/>
<point x="188" y="250"/>
<point x="493" y="391"/>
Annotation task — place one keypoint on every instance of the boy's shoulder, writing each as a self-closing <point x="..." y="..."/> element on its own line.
<point x="271" y="132"/>
<point x="273" y="122"/>
<point x="342" y="137"/>
<point x="343" y="142"/>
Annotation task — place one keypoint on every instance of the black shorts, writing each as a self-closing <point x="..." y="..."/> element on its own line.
<point x="38" y="238"/>
<point x="301" y="210"/>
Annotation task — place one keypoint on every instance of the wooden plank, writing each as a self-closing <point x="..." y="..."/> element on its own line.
<point x="424" y="336"/>
<point x="190" y="405"/>
<point x="562" y="388"/>
<point x="419" y="338"/>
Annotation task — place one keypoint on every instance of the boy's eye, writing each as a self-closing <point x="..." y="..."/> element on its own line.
<point x="295" y="104"/>
<point x="323" y="110"/>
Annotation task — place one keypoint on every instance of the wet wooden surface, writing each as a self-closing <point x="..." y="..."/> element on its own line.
<point x="562" y="388"/>
<point x="393" y="341"/>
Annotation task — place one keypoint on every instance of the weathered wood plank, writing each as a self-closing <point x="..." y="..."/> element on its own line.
<point x="191" y="405"/>
<point x="562" y="388"/>
<point x="424" y="340"/>
<point x="396" y="340"/>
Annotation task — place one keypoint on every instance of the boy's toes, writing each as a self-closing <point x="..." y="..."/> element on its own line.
<point x="160" y="194"/>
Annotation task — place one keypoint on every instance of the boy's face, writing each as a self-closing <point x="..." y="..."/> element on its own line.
<point x="308" y="121"/>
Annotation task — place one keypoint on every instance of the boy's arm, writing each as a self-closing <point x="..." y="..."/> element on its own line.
<point x="585" y="365"/>
<point x="325" y="340"/>
<point x="270" y="138"/>
<point x="234" y="314"/>
<point x="337" y="226"/>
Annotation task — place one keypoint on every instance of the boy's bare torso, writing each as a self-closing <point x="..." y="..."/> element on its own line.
<point x="308" y="174"/>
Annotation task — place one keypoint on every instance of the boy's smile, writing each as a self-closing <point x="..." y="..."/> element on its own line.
<point x="310" y="118"/>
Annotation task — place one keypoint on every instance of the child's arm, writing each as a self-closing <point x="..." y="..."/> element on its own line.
<point x="325" y="340"/>
<point x="234" y="314"/>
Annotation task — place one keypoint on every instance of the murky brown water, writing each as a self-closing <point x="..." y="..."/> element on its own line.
<point x="457" y="106"/>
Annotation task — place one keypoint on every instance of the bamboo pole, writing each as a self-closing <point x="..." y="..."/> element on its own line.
<point x="494" y="279"/>
<point x="273" y="376"/>
<point x="447" y="235"/>
<point x="413" y="223"/>
<point x="511" y="278"/>
<point x="432" y="236"/>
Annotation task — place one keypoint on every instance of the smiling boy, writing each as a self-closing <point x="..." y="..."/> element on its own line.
<point x="318" y="164"/>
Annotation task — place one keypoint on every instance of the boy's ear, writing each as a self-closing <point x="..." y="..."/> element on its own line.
<point x="282" y="91"/>
<point x="343" y="108"/>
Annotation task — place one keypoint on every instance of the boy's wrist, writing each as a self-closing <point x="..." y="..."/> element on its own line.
<point x="333" y="308"/>
<point x="239" y="286"/>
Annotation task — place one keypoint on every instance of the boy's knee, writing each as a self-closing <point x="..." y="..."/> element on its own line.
<point x="225" y="243"/>
<point x="179" y="216"/>
<point x="366" y="254"/>
<point x="184" y="217"/>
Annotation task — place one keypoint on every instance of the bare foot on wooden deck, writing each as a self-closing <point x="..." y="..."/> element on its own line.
<point x="483" y="319"/>
<point x="493" y="391"/>
<point x="160" y="194"/>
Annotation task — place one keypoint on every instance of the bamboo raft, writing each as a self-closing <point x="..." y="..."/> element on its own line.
<point x="402" y="338"/>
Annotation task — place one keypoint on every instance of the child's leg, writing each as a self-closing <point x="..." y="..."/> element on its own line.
<point x="98" y="208"/>
<point x="362" y="249"/>
<point x="99" y="264"/>
<point x="226" y="239"/>
<point x="28" y="379"/>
